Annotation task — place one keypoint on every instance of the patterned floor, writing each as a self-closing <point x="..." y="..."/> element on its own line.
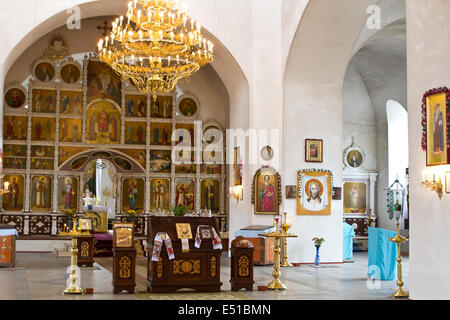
<point x="193" y="296"/>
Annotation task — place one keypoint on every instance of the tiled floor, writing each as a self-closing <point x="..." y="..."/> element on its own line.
<point x="43" y="276"/>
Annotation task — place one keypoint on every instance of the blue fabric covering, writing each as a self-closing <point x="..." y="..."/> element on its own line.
<point x="382" y="255"/>
<point x="349" y="234"/>
<point x="253" y="233"/>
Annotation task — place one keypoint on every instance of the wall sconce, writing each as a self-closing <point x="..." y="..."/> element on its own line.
<point x="5" y="189"/>
<point x="237" y="193"/>
<point x="434" y="185"/>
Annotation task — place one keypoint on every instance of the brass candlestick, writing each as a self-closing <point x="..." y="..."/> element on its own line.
<point x="277" y="234"/>
<point x="398" y="239"/>
<point x="285" y="226"/>
<point x="73" y="287"/>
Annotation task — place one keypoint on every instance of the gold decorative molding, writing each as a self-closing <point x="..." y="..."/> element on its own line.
<point x="124" y="267"/>
<point x="244" y="270"/>
<point x="85" y="249"/>
<point x="213" y="267"/>
<point x="160" y="268"/>
<point x="186" y="266"/>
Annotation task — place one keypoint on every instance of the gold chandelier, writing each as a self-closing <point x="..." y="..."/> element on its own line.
<point x="155" y="45"/>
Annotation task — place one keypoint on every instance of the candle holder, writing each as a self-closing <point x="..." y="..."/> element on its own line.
<point x="278" y="234"/>
<point x="75" y="233"/>
<point x="398" y="239"/>
<point x="285" y="226"/>
<point x="434" y="185"/>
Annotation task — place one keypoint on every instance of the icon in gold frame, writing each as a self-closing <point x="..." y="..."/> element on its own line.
<point x="123" y="235"/>
<point x="184" y="231"/>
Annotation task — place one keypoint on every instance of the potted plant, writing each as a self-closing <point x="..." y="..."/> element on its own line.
<point x="317" y="243"/>
<point x="180" y="211"/>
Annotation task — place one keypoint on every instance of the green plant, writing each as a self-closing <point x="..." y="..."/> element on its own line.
<point x="318" y="241"/>
<point x="131" y="213"/>
<point x="179" y="211"/>
<point x="69" y="213"/>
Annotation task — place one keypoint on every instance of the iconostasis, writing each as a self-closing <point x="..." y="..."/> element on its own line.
<point x="73" y="114"/>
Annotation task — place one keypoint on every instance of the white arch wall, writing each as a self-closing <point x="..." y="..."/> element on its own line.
<point x="428" y="30"/>
<point x="313" y="109"/>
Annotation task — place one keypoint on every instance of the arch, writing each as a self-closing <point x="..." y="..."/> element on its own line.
<point x="397" y="119"/>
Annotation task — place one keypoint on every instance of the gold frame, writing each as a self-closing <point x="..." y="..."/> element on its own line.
<point x="183" y="230"/>
<point x="127" y="228"/>
<point x="303" y="211"/>
<point x="88" y="221"/>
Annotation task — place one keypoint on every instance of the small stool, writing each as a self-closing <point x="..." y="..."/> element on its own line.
<point x="8" y="235"/>
<point x="241" y="264"/>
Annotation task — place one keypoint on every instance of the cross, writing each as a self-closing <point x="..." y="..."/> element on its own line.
<point x="105" y="28"/>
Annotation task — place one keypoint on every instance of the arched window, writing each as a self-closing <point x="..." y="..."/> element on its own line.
<point x="397" y="119"/>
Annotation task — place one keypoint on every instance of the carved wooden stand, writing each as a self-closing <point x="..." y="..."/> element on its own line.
<point x="241" y="265"/>
<point x="85" y="246"/>
<point x="124" y="270"/>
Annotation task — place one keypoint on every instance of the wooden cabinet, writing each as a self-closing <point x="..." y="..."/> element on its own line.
<point x="85" y="246"/>
<point x="197" y="269"/>
<point x="124" y="270"/>
<point x="7" y="246"/>
<point x="263" y="253"/>
<point x="241" y="275"/>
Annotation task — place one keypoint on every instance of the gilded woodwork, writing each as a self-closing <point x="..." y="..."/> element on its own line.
<point x="124" y="267"/>
<point x="244" y="266"/>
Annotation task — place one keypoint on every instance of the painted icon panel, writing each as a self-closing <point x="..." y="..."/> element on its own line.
<point x="135" y="133"/>
<point x="160" y="161"/>
<point x="161" y="134"/>
<point x="103" y="83"/>
<point x="67" y="193"/>
<point x="159" y="194"/>
<point x="133" y="194"/>
<point x="15" y="128"/>
<point x="13" y="200"/>
<point x="44" y="101"/>
<point x="185" y="193"/>
<point x="210" y="195"/>
<point x="70" y="130"/>
<point x="162" y="107"/>
<point x="41" y="193"/>
<point x="103" y="123"/>
<point x="15" y="98"/>
<point x="71" y="102"/>
<point x="136" y="106"/>
<point x="43" y="129"/>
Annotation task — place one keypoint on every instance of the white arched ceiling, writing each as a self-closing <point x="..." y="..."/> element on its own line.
<point x="313" y="89"/>
<point x="379" y="69"/>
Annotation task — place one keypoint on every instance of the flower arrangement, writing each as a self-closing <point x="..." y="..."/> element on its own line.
<point x="179" y="211"/>
<point x="318" y="242"/>
<point x="69" y="213"/>
<point x="131" y="213"/>
<point x="424" y="114"/>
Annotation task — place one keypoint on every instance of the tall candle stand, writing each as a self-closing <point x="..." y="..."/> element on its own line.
<point x="278" y="234"/>
<point x="75" y="233"/>
<point x="398" y="239"/>
<point x="285" y="226"/>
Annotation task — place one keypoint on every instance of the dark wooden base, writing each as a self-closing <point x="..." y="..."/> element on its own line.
<point x="85" y="256"/>
<point x="119" y="289"/>
<point x="174" y="287"/>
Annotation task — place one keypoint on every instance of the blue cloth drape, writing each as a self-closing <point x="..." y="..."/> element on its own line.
<point x="382" y="255"/>
<point x="349" y="234"/>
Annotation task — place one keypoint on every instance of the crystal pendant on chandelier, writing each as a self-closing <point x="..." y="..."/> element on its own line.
<point x="155" y="45"/>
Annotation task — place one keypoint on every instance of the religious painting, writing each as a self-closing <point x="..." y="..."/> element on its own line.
<point x="103" y="83"/>
<point x="188" y="107"/>
<point x="437" y="133"/>
<point x="185" y="134"/>
<point x="67" y="193"/>
<point x="133" y="194"/>
<point x="136" y="106"/>
<point x="161" y="134"/>
<point x="138" y="155"/>
<point x="123" y="164"/>
<point x="44" y="101"/>
<point x="15" y="98"/>
<point x="65" y="153"/>
<point x="123" y="235"/>
<point x="237" y="167"/>
<point x="103" y="123"/>
<point x="41" y="193"/>
<point x="78" y="163"/>
<point x="184" y="230"/>
<point x="85" y="224"/>
<point x="71" y="102"/>
<point x="44" y="71"/>
<point x="101" y="154"/>
<point x="159" y="194"/>
<point x="291" y="192"/>
<point x="314" y="192"/>
<point x="15" y="156"/>
<point x="70" y="73"/>
<point x="185" y="193"/>
<point x="266" y="191"/>
<point x="354" y="158"/>
<point x="313" y="150"/>
<point x="43" y="129"/>
<point x="355" y="197"/>
<point x="70" y="130"/>
<point x="15" y="190"/>
<point x="160" y="161"/>
<point x="186" y="165"/>
<point x="210" y="195"/>
<point x="210" y="168"/>
<point x="15" y="128"/>
<point x="135" y="133"/>
<point x="42" y="164"/>
<point x="162" y="107"/>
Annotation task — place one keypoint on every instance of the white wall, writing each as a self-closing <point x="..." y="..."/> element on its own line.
<point x="313" y="109"/>
<point x="428" y="30"/>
